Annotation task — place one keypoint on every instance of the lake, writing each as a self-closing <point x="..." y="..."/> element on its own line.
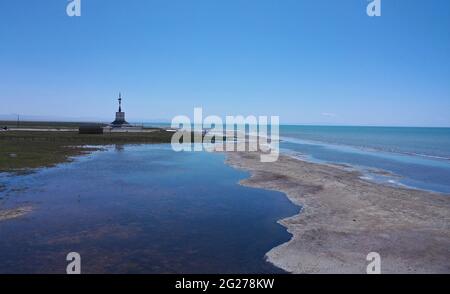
<point x="141" y="209"/>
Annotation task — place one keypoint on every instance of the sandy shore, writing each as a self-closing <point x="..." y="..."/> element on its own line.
<point x="344" y="218"/>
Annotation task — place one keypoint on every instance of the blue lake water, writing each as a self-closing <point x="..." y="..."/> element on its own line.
<point x="400" y="156"/>
<point x="414" y="157"/>
<point x="141" y="209"/>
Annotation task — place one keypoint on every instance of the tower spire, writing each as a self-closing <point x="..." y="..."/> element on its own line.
<point x="120" y="116"/>
<point x="120" y="102"/>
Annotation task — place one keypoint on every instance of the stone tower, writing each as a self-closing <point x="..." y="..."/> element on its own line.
<point x="120" y="116"/>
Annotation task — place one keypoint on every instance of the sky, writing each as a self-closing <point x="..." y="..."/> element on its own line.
<point x="308" y="61"/>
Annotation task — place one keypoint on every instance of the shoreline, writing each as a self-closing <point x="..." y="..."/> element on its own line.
<point x="343" y="218"/>
<point x="22" y="151"/>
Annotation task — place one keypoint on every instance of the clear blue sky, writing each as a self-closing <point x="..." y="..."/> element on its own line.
<point x="309" y="61"/>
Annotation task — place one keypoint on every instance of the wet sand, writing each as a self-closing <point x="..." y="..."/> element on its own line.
<point x="344" y="218"/>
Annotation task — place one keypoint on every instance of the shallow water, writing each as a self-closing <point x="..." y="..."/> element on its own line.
<point x="141" y="209"/>
<point x="416" y="157"/>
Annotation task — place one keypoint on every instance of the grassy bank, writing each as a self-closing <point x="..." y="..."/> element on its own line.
<point x="24" y="150"/>
<point x="45" y="125"/>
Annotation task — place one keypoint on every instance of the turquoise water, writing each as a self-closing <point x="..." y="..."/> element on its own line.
<point x="141" y="209"/>
<point x="414" y="157"/>
<point x="400" y="156"/>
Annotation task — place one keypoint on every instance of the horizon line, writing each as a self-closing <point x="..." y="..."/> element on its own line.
<point x="281" y="124"/>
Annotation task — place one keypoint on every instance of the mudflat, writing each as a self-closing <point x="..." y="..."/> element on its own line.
<point x="344" y="217"/>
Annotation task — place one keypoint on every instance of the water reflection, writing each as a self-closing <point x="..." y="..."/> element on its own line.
<point x="142" y="209"/>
